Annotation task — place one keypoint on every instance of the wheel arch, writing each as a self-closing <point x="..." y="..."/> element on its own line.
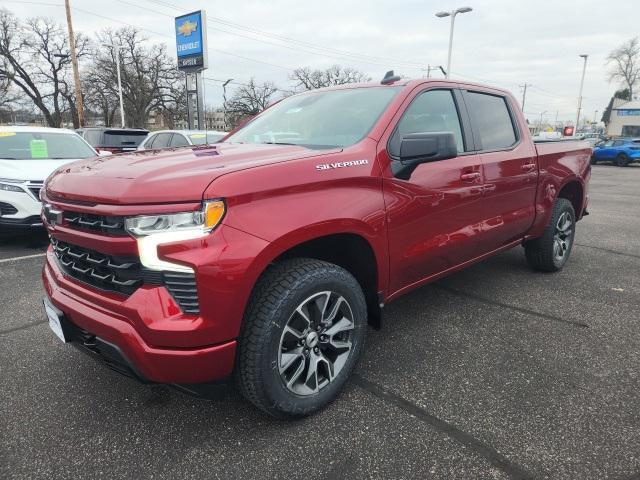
<point x="573" y="191"/>
<point x="353" y="249"/>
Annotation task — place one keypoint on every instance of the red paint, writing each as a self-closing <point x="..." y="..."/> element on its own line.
<point x="450" y="214"/>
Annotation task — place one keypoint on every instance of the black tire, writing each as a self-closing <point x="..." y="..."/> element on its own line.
<point x="593" y="161"/>
<point x="540" y="251"/>
<point x="280" y="291"/>
<point x="622" y="160"/>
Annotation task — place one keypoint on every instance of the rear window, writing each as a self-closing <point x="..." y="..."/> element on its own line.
<point x="114" y="138"/>
<point x="493" y="119"/>
<point x="36" y="146"/>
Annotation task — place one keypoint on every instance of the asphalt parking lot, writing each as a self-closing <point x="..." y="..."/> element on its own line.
<point x="495" y="372"/>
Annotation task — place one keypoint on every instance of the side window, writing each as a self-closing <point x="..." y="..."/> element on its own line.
<point x="618" y="143"/>
<point x="430" y="111"/>
<point x="178" y="140"/>
<point x="493" y="120"/>
<point x="608" y="143"/>
<point x="148" y="143"/>
<point x="162" y="140"/>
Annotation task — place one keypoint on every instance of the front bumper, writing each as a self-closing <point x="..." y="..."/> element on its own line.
<point x="114" y="332"/>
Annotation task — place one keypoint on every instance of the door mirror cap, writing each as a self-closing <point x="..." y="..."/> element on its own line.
<point x="419" y="148"/>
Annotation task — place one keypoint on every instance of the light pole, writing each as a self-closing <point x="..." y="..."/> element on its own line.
<point x="452" y="14"/>
<point x="584" y="69"/>
<point x="116" y="49"/>
<point x="224" y="98"/>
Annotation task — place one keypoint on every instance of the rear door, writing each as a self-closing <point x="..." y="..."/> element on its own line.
<point x="510" y="168"/>
<point x="431" y="215"/>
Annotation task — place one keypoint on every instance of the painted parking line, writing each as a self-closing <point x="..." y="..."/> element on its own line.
<point x="24" y="257"/>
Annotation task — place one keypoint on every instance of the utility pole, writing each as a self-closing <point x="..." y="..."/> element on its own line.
<point x="595" y="117"/>
<point x="74" y="63"/>
<point x="584" y="69"/>
<point x="524" y="94"/>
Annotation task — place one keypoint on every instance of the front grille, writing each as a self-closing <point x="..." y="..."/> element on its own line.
<point x="124" y="275"/>
<point x="97" y="223"/>
<point x="35" y="189"/>
<point x="120" y="274"/>
<point x="7" y="209"/>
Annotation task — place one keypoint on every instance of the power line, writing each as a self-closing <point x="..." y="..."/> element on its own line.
<point x="149" y="31"/>
<point x="369" y="58"/>
<point x="279" y="45"/>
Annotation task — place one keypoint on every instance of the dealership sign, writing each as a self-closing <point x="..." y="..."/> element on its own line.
<point x="191" y="41"/>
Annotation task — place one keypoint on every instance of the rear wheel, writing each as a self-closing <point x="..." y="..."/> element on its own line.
<point x="622" y="160"/>
<point x="593" y="160"/>
<point x="550" y="252"/>
<point x="302" y="336"/>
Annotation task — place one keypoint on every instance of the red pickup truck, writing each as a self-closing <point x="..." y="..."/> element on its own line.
<point x="264" y="257"/>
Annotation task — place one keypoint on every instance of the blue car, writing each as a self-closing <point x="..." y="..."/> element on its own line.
<point x="621" y="151"/>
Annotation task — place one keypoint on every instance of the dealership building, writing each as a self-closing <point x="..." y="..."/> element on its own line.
<point x="625" y="119"/>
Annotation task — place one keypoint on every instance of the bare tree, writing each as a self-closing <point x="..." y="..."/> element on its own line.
<point x="249" y="100"/>
<point x="625" y="64"/>
<point x="150" y="80"/>
<point x="308" y="79"/>
<point x="35" y="58"/>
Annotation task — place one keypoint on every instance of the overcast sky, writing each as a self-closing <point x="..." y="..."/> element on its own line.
<point x="501" y="42"/>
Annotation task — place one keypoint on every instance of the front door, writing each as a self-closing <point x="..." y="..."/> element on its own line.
<point x="431" y="217"/>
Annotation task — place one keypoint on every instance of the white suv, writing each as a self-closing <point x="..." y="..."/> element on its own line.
<point x="28" y="155"/>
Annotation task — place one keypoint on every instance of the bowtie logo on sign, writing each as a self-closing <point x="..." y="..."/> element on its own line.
<point x="187" y="28"/>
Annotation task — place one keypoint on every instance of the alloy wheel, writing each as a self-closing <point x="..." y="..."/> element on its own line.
<point x="563" y="236"/>
<point x="316" y="343"/>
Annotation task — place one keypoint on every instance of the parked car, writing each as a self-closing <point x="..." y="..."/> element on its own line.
<point x="114" y="140"/>
<point x="264" y="259"/>
<point x="180" y="138"/>
<point x="621" y="151"/>
<point x="27" y="156"/>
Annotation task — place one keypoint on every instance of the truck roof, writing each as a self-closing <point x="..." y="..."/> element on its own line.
<point x="407" y="82"/>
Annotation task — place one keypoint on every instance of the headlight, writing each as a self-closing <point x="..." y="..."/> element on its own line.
<point x="153" y="230"/>
<point x="11" y="188"/>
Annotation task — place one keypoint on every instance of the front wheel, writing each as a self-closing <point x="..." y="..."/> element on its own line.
<point x="550" y="252"/>
<point x="303" y="333"/>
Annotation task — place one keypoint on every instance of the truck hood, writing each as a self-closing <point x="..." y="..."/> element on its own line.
<point x="163" y="176"/>
<point x="34" y="170"/>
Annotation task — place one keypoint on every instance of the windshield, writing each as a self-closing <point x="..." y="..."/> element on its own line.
<point x="334" y="118"/>
<point x="39" y="145"/>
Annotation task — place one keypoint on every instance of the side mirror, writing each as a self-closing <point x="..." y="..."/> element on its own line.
<point x="418" y="148"/>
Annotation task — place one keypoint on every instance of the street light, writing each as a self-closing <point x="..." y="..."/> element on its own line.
<point x="451" y="14"/>
<point x="117" y="48"/>
<point x="224" y="105"/>
<point x="584" y="69"/>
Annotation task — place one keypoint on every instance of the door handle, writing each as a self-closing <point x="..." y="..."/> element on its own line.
<point x="527" y="167"/>
<point x="470" y="177"/>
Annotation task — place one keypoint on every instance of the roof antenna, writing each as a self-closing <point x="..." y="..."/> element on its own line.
<point x="389" y="77"/>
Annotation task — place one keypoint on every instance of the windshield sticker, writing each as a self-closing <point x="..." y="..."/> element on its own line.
<point x="38" y="148"/>
<point x="352" y="163"/>
<point x="7" y="134"/>
<point x="197" y="135"/>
